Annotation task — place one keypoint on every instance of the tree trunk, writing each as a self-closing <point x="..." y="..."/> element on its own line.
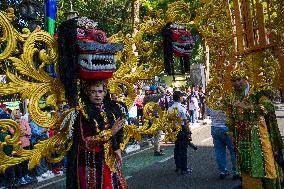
<point x="135" y="15"/>
<point x="135" y="21"/>
<point x="207" y="63"/>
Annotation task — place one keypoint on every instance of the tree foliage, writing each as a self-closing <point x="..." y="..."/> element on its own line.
<point x="21" y="21"/>
<point x="112" y="16"/>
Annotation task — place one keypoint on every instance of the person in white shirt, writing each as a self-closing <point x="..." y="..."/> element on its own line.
<point x="193" y="108"/>
<point x="181" y="144"/>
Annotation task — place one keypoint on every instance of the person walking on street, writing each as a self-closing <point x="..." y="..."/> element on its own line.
<point x="181" y="144"/>
<point x="193" y="108"/>
<point x="222" y="141"/>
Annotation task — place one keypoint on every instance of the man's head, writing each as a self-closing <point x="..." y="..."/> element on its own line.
<point x="95" y="90"/>
<point x="16" y="114"/>
<point x="114" y="97"/>
<point x="196" y="87"/>
<point x="177" y="96"/>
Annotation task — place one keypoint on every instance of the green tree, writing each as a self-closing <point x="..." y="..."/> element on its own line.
<point x="112" y="16"/>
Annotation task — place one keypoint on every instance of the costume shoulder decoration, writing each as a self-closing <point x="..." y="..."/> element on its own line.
<point x="242" y="37"/>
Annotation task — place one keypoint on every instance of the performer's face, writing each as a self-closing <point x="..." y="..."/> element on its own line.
<point x="96" y="94"/>
<point x="114" y="97"/>
<point x="239" y="84"/>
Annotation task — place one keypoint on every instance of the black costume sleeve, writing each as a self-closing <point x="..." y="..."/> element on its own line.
<point x="118" y="139"/>
<point x="71" y="175"/>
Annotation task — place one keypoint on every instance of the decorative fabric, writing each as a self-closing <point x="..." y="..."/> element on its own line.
<point x="94" y="167"/>
<point x="258" y="142"/>
<point x="268" y="156"/>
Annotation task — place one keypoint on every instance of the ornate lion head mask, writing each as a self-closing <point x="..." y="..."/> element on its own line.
<point x="84" y="53"/>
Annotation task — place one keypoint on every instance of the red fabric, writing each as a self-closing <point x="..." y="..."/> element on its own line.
<point x="99" y="173"/>
<point x="51" y="133"/>
<point x="87" y="74"/>
<point x="107" y="180"/>
<point x="3" y="105"/>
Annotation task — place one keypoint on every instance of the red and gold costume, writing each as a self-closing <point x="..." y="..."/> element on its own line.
<point x="86" y="56"/>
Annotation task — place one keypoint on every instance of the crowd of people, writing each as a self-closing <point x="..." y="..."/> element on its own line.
<point x="31" y="134"/>
<point x="193" y="99"/>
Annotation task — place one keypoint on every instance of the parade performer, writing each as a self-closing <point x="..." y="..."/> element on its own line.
<point x="90" y="131"/>
<point x="94" y="160"/>
<point x="258" y="140"/>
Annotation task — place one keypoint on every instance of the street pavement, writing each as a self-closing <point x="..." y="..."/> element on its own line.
<point x="161" y="175"/>
<point x="145" y="171"/>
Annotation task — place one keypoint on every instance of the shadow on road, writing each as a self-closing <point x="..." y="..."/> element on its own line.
<point x="204" y="175"/>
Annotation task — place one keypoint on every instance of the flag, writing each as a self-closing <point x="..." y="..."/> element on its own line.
<point x="50" y="14"/>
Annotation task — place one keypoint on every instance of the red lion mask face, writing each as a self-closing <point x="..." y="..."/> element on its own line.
<point x="183" y="42"/>
<point x="96" y="55"/>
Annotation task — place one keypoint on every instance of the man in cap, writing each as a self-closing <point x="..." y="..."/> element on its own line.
<point x="180" y="151"/>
